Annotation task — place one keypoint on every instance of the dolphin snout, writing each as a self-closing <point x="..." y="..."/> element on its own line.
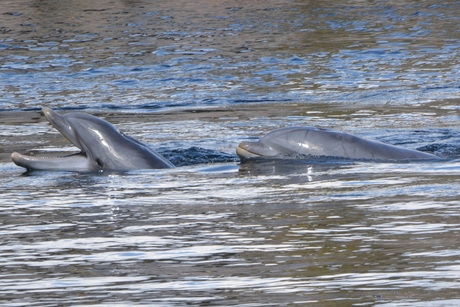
<point x="247" y="150"/>
<point x="19" y="159"/>
<point x="51" y="116"/>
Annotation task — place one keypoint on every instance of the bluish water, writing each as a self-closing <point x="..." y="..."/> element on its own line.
<point x="192" y="80"/>
<point x="148" y="56"/>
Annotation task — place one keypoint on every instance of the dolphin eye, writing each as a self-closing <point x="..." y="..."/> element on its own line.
<point x="99" y="163"/>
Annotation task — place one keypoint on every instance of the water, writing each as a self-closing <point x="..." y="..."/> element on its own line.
<point x="193" y="79"/>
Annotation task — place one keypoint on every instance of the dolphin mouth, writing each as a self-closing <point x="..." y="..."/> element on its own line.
<point x="75" y="161"/>
<point x="247" y="150"/>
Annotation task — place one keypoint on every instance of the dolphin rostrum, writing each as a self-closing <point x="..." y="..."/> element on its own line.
<point x="102" y="147"/>
<point x="311" y="141"/>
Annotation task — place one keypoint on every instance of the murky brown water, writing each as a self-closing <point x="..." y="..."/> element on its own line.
<point x="190" y="78"/>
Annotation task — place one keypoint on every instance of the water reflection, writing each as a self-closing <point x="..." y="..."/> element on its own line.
<point x="303" y="170"/>
<point x="224" y="233"/>
<point x="185" y="233"/>
<point x="146" y="56"/>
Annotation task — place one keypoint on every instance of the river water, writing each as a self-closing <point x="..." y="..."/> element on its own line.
<point x="193" y="79"/>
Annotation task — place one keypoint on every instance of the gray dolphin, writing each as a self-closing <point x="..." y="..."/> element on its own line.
<point x="313" y="141"/>
<point x="102" y="147"/>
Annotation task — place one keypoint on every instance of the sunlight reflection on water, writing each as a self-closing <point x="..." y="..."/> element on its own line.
<point x="193" y="83"/>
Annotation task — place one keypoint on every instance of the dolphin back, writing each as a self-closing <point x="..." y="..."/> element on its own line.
<point x="325" y="142"/>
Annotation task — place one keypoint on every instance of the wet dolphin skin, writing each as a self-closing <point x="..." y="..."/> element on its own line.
<point x="102" y="147"/>
<point x="311" y="141"/>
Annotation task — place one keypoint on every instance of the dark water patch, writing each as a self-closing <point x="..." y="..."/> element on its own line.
<point x="442" y="150"/>
<point x="196" y="155"/>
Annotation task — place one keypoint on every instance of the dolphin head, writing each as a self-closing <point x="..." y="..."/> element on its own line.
<point x="275" y="143"/>
<point x="102" y="147"/>
<point x="247" y="150"/>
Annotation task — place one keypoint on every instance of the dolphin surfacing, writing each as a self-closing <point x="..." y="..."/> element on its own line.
<point x="318" y="142"/>
<point x="102" y="147"/>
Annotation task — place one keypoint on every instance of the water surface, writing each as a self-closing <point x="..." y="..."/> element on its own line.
<point x="192" y="80"/>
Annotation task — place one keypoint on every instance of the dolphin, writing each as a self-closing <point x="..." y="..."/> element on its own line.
<point x="102" y="147"/>
<point x="312" y="141"/>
